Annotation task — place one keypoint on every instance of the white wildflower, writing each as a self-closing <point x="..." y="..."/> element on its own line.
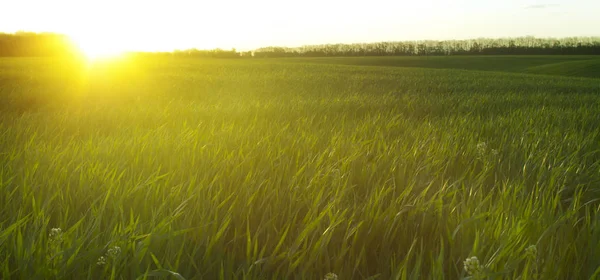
<point x="531" y="251"/>
<point x="482" y="148"/>
<point x="531" y="255"/>
<point x="55" y="235"/>
<point x="472" y="267"/>
<point x="101" y="261"/>
<point x="331" y="276"/>
<point x="113" y="252"/>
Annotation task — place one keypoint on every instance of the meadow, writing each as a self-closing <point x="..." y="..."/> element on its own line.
<point x="301" y="168"/>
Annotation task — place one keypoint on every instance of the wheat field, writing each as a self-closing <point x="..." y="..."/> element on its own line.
<point x="336" y="168"/>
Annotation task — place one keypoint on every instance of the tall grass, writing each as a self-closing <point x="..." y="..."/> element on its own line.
<point x="265" y="170"/>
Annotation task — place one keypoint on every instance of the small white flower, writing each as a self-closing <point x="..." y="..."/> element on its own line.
<point x="55" y="231"/>
<point x="482" y="148"/>
<point x="113" y="252"/>
<point x="331" y="276"/>
<point x="531" y="251"/>
<point x="55" y="235"/>
<point x="472" y="266"/>
<point x="101" y="261"/>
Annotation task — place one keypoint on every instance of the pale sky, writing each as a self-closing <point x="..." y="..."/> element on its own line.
<point x="181" y="24"/>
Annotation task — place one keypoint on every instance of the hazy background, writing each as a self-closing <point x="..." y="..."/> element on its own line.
<point x="181" y="24"/>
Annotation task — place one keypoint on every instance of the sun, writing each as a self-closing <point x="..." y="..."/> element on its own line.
<point x="98" y="47"/>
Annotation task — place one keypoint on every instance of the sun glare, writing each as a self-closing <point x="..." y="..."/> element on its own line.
<point x="96" y="48"/>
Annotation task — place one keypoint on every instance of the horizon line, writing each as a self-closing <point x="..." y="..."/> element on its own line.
<point x="592" y="38"/>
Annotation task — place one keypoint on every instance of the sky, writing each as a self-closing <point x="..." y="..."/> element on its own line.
<point x="151" y="25"/>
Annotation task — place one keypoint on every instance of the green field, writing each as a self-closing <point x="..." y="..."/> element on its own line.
<point x="368" y="168"/>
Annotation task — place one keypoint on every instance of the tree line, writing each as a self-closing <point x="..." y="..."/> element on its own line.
<point x="481" y="46"/>
<point x="50" y="44"/>
<point x="35" y="44"/>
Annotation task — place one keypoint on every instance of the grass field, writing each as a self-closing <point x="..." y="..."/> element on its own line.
<point x="366" y="168"/>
